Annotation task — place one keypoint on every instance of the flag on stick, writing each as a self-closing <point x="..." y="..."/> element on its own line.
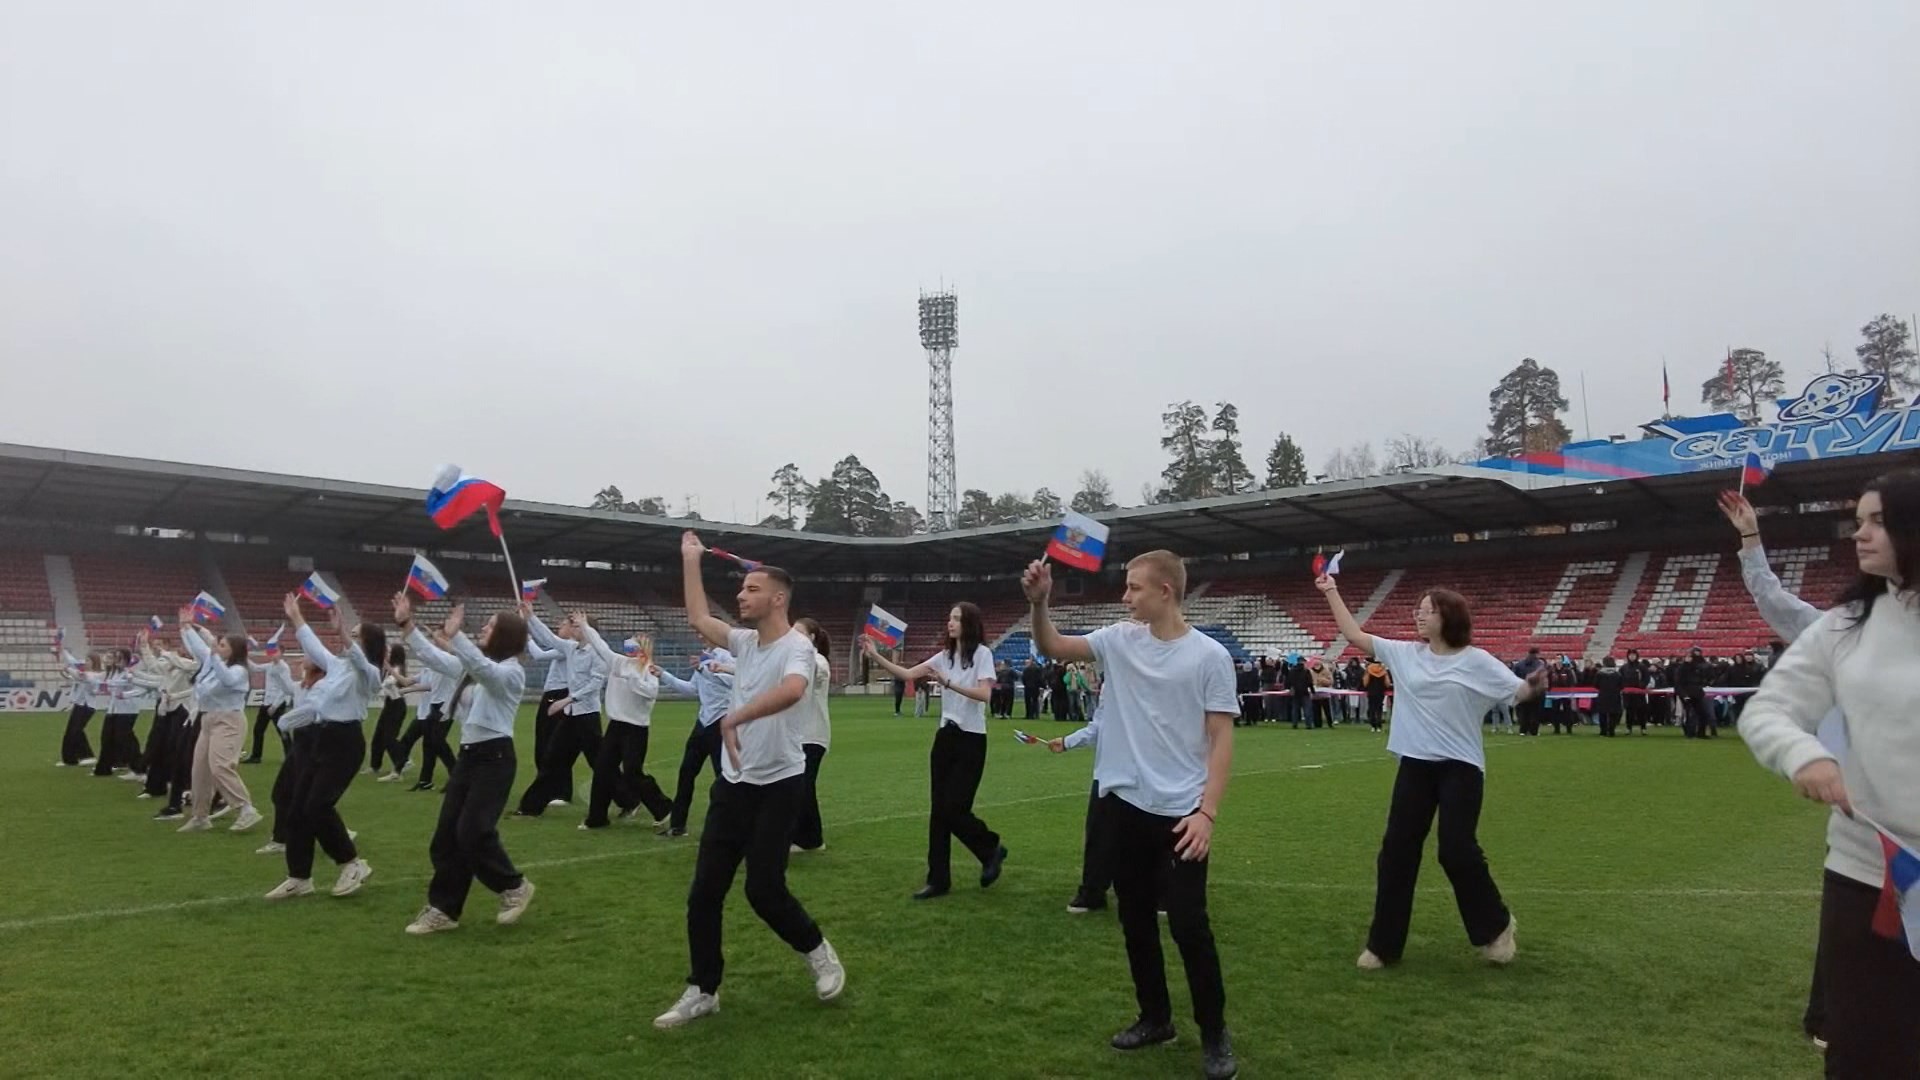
<point x="205" y="608"/>
<point x="1079" y="542"/>
<point x="530" y="588"/>
<point x="318" y="591"/>
<point x="426" y="579"/>
<point x="885" y="627"/>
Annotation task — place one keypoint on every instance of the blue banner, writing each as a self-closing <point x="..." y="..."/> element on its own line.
<point x="1835" y="416"/>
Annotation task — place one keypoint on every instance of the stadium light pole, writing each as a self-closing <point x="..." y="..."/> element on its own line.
<point x="939" y="334"/>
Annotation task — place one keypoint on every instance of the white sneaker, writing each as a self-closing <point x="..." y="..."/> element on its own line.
<point x="144" y="795"/>
<point x="1369" y="962"/>
<point x="198" y="824"/>
<point x="692" y="1006"/>
<point x="366" y="770"/>
<point x="249" y="817"/>
<point x="663" y="826"/>
<point x="513" y="903"/>
<point x="84" y="762"/>
<point x="271" y="847"/>
<point x="1502" y="949"/>
<point x="138" y="778"/>
<point x="556" y="802"/>
<point x="59" y="764"/>
<point x="388" y="779"/>
<point x="292" y="887"/>
<point x="829" y="975"/>
<point x="353" y="834"/>
<point x="352" y="876"/>
<point x="431" y="920"/>
<point x="220" y="813"/>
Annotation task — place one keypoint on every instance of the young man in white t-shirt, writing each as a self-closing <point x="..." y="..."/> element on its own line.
<point x="752" y="805"/>
<point x="1161" y="764"/>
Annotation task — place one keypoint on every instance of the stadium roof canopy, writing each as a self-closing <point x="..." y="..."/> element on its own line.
<point x="42" y="487"/>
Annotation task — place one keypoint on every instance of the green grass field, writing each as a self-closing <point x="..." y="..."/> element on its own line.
<point x="1666" y="892"/>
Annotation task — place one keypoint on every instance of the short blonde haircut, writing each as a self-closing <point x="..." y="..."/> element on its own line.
<point x="1167" y="567"/>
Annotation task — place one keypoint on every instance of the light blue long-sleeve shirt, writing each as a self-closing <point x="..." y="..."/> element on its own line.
<point x="221" y="687"/>
<point x="586" y="670"/>
<point x="350" y="682"/>
<point x="713" y="688"/>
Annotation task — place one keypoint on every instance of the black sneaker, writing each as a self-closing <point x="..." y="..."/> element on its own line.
<point x="990" y="873"/>
<point x="928" y="892"/>
<point x="169" y="813"/>
<point x="423" y="785"/>
<point x="1142" y="1035"/>
<point x="1220" y="1062"/>
<point x="1084" y="902"/>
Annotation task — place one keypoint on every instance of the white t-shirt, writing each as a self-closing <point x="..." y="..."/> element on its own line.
<point x="960" y="710"/>
<point x="810" y="716"/>
<point x="1152" y="749"/>
<point x="1439" y="701"/>
<point x="770" y="746"/>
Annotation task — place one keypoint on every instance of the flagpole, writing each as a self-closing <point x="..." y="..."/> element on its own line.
<point x="515" y="594"/>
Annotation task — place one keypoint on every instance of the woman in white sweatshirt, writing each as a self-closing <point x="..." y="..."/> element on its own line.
<point x="620" y="766"/>
<point x="1860" y="658"/>
<point x="816" y="729"/>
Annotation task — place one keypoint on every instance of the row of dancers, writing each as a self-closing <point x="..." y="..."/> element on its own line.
<point x="1162" y="742"/>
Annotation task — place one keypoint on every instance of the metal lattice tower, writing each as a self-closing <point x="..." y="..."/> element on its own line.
<point x="939" y="334"/>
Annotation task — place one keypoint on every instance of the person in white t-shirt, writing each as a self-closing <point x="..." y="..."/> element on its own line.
<point x="753" y="803"/>
<point x="964" y="669"/>
<point x="1161" y="762"/>
<point x="816" y="731"/>
<point x="1442" y="687"/>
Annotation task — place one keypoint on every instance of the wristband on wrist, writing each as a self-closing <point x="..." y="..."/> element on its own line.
<point x="1750" y="536"/>
<point x="1203" y="813"/>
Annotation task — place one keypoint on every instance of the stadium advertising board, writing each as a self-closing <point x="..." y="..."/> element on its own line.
<point x="1835" y="416"/>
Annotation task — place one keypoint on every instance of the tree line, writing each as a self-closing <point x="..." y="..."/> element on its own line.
<point x="1206" y="459"/>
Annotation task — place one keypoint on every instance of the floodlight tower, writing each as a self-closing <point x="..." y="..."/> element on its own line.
<point x="939" y="334"/>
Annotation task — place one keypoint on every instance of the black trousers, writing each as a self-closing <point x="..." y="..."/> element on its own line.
<point x="181" y="767"/>
<point x="1096" y="861"/>
<point x="386" y="734"/>
<point x="402" y="751"/>
<point x="119" y="746"/>
<point x="899" y="695"/>
<point x="620" y="776"/>
<point x="1636" y="705"/>
<point x="956" y="764"/>
<point x="1814" y="1020"/>
<point x="1529" y="716"/>
<point x="263" y="718"/>
<point x="543" y="729"/>
<point x="1453" y="790"/>
<point x="573" y="736"/>
<point x="1033" y="703"/>
<point x="74" y="747"/>
<point x="1609" y="722"/>
<point x="808" y="832"/>
<point x="702" y="749"/>
<point x="299" y="752"/>
<point x="164" y="748"/>
<point x="466" y="841"/>
<point x="1147" y="874"/>
<point x="1872" y="989"/>
<point x="337" y="751"/>
<point x="1374" y="704"/>
<point x="750" y="823"/>
<point x="432" y="729"/>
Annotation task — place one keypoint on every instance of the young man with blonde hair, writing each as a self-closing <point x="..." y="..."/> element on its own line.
<point x="1160" y="765"/>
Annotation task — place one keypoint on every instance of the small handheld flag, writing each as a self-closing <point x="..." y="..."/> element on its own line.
<point x="273" y="643"/>
<point x="1898" y="916"/>
<point x="1079" y="542"/>
<point x="154" y="623"/>
<point x="1324" y="565"/>
<point x="1030" y="740"/>
<point x="635" y="646"/>
<point x="59" y="640"/>
<point x="456" y="496"/>
<point x="205" y="608"/>
<point x="749" y="565"/>
<point x="426" y="579"/>
<point x="318" y="591"/>
<point x="885" y="627"/>
<point x="1753" y="471"/>
<point x="530" y="588"/>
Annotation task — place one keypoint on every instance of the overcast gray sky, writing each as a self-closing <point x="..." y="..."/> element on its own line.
<point x="674" y="246"/>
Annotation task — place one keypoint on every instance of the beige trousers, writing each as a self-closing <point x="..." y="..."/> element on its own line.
<point x="216" y="762"/>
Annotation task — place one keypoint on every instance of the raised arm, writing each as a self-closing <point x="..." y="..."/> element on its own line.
<point x="368" y="670"/>
<point x="1037" y="583"/>
<point x="316" y="650"/>
<point x="504" y="677"/>
<point x="538" y="631"/>
<point x="190" y="634"/>
<point x="432" y="655"/>
<point x="713" y="631"/>
<point x="1349" y="626"/>
<point x="898" y="672"/>
<point x="1785" y="613"/>
<point x="593" y="640"/>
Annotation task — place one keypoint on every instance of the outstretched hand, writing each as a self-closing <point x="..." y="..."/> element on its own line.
<point x="291" y="606"/>
<point x="1326" y="584"/>
<point x="402" y="608"/>
<point x="690" y="546"/>
<point x="455" y="616"/>
<point x="1739" y="512"/>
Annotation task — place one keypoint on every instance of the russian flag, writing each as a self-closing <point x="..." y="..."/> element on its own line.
<point x="748" y="565"/>
<point x="154" y="623"/>
<point x="426" y="579"/>
<point x="1753" y="471"/>
<point x="205" y="608"/>
<point x="1898" y="916"/>
<point x="273" y="643"/>
<point x="455" y="496"/>
<point x="885" y="627"/>
<point x="530" y="588"/>
<point x="1324" y="565"/>
<point x="633" y="646"/>
<point x="1079" y="542"/>
<point x="319" y="591"/>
